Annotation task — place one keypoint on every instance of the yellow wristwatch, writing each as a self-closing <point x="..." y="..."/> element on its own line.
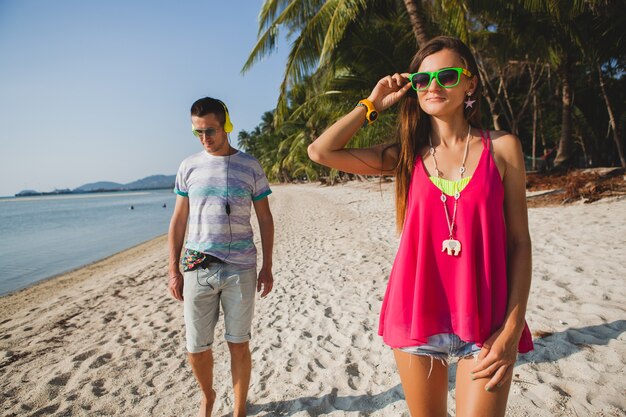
<point x="371" y="114"/>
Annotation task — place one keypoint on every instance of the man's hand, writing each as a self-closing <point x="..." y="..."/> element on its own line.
<point x="175" y="285"/>
<point x="265" y="281"/>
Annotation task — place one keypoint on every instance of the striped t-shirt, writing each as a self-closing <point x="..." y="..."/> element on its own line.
<point x="202" y="178"/>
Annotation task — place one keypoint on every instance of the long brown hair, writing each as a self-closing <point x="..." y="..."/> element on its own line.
<point x="414" y="124"/>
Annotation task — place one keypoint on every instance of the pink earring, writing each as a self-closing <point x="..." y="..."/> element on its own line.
<point x="469" y="102"/>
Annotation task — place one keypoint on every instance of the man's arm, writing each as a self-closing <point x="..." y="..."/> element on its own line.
<point x="175" y="240"/>
<point x="266" y="227"/>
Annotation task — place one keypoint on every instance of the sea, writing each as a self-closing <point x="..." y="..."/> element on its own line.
<point x="44" y="236"/>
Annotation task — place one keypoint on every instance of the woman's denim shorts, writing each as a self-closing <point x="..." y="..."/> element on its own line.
<point x="444" y="346"/>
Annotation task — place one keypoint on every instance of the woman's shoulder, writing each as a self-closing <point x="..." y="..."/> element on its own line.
<point x="505" y="145"/>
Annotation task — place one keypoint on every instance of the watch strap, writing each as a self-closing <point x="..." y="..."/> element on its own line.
<point x="371" y="114"/>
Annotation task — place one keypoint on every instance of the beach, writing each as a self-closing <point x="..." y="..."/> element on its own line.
<point x="107" y="339"/>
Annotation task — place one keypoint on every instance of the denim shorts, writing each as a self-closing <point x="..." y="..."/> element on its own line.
<point x="443" y="346"/>
<point x="205" y="289"/>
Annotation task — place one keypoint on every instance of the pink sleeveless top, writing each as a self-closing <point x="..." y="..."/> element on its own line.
<point x="430" y="292"/>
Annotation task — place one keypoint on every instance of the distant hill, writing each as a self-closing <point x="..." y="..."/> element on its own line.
<point x="153" y="182"/>
<point x="98" y="186"/>
<point x="24" y="193"/>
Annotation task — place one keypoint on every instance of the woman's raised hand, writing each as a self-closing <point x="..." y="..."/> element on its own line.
<point x="389" y="90"/>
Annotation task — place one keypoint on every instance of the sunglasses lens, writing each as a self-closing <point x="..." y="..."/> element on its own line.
<point x="448" y="78"/>
<point x="210" y="132"/>
<point x="420" y="81"/>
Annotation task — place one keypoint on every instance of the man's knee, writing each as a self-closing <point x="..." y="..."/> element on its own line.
<point x="205" y="355"/>
<point x="239" y="349"/>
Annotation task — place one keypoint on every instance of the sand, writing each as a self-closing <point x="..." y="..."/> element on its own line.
<point x="107" y="340"/>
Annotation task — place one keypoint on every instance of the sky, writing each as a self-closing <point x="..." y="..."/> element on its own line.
<point x="101" y="91"/>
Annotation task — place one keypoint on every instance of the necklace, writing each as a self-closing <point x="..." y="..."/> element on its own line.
<point x="451" y="245"/>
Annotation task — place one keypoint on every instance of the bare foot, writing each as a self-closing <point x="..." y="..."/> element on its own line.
<point x="206" y="405"/>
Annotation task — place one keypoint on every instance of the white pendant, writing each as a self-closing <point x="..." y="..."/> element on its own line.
<point x="452" y="246"/>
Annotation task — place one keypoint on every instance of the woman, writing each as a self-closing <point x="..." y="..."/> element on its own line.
<point x="460" y="281"/>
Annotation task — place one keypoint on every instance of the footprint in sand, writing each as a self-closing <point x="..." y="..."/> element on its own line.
<point x="60" y="381"/>
<point x="319" y="364"/>
<point x="353" y="370"/>
<point x="46" y="410"/>
<point x="109" y="317"/>
<point x="81" y="357"/>
<point x="97" y="388"/>
<point x="101" y="360"/>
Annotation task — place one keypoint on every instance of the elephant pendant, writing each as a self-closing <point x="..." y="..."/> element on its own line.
<point x="452" y="246"/>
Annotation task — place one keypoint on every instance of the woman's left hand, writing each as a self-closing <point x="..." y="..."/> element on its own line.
<point x="497" y="358"/>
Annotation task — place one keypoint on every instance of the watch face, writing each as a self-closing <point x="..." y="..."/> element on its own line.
<point x="373" y="116"/>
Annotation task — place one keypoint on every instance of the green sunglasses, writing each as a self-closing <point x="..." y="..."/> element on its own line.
<point x="446" y="77"/>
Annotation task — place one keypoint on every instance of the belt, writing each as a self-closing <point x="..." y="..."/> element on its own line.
<point x="210" y="259"/>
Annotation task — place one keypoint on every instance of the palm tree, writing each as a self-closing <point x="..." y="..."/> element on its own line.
<point x="557" y="26"/>
<point x="319" y="26"/>
<point x="378" y="43"/>
<point x="418" y="23"/>
<point x="605" y="46"/>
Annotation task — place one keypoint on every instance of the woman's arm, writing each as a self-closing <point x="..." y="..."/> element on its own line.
<point x="499" y="353"/>
<point x="519" y="256"/>
<point x="329" y="149"/>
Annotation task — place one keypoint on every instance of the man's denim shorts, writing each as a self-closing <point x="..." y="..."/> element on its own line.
<point x="443" y="346"/>
<point x="205" y="289"/>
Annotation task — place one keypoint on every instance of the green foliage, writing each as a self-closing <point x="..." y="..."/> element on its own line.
<point x="341" y="48"/>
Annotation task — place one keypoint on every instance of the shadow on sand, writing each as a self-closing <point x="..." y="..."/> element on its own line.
<point x="559" y="345"/>
<point x="550" y="348"/>
<point x="331" y="402"/>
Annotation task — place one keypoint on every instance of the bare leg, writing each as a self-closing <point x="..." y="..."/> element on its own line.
<point x="202" y="367"/>
<point x="426" y="396"/>
<point x="471" y="397"/>
<point x="240" y="367"/>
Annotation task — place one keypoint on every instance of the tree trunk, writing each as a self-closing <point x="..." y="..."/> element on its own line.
<point x="417" y="22"/>
<point x="609" y="109"/>
<point x="488" y="91"/>
<point x="534" y="151"/>
<point x="564" y="153"/>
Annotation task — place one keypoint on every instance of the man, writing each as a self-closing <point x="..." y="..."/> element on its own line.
<point x="215" y="189"/>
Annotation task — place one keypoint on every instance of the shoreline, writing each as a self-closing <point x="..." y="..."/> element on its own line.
<point x="77" y="268"/>
<point x="75" y="276"/>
